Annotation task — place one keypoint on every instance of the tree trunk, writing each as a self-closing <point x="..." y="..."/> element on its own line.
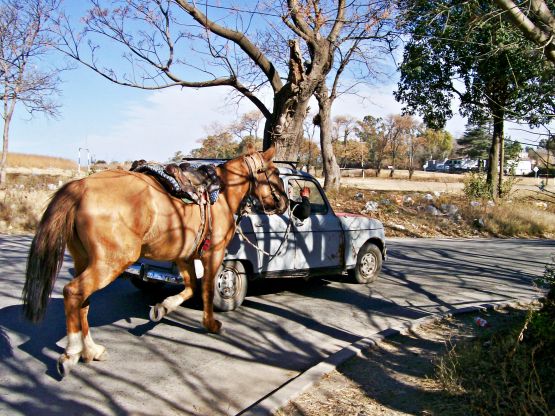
<point x="5" y="139"/>
<point x="332" y="173"/>
<point x="493" y="158"/>
<point x="285" y="127"/>
<point x="501" y="163"/>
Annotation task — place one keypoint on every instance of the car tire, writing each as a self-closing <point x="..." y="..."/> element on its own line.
<point x="230" y="286"/>
<point x="369" y="264"/>
<point x="146" y="285"/>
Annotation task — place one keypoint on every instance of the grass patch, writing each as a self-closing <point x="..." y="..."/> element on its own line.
<point x="508" y="371"/>
<point x="519" y="219"/>
<point x="21" y="210"/>
<point x="22" y="160"/>
<point x="497" y="374"/>
<point x="421" y="214"/>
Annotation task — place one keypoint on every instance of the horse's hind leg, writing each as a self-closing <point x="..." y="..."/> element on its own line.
<point x="91" y="350"/>
<point x="96" y="275"/>
<point x="187" y="271"/>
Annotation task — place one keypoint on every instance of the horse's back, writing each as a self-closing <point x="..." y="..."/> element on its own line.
<point x="134" y="210"/>
<point x="115" y="206"/>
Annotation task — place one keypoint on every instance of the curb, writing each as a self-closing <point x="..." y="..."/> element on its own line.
<point x="269" y="404"/>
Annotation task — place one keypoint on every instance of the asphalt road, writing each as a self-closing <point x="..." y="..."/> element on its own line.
<point x="284" y="327"/>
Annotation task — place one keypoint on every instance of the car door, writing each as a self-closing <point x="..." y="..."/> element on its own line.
<point x="275" y="241"/>
<point x="318" y="238"/>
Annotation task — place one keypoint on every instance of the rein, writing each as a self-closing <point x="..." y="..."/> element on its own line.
<point x="253" y="180"/>
<point x="246" y="239"/>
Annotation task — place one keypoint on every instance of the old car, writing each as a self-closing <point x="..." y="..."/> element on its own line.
<point x="268" y="246"/>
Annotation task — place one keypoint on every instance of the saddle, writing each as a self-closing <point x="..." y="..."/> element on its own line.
<point x="188" y="182"/>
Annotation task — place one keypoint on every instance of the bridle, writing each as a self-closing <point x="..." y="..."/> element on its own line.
<point x="256" y="167"/>
<point x="253" y="181"/>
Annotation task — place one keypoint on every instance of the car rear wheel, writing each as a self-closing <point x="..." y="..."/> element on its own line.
<point x="230" y="286"/>
<point x="369" y="264"/>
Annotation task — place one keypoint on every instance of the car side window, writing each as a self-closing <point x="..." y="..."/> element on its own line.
<point x="317" y="202"/>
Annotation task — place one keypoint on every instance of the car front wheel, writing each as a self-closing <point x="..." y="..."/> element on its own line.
<point x="230" y="286"/>
<point x="369" y="264"/>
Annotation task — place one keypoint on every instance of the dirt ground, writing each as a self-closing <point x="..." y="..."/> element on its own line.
<point x="439" y="183"/>
<point x="396" y="377"/>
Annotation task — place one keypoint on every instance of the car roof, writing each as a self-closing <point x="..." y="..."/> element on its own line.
<point x="286" y="168"/>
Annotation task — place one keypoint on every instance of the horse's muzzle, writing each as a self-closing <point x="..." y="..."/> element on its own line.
<point x="282" y="205"/>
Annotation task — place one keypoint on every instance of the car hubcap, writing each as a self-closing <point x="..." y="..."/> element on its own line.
<point x="368" y="265"/>
<point x="227" y="284"/>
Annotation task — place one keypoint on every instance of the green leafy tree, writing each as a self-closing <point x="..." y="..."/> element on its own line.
<point x="218" y="146"/>
<point x="177" y="157"/>
<point x="489" y="67"/>
<point x="436" y="144"/>
<point x="512" y="150"/>
<point x="476" y="141"/>
<point x="536" y="21"/>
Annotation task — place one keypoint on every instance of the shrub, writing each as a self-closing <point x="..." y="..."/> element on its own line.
<point x="476" y="186"/>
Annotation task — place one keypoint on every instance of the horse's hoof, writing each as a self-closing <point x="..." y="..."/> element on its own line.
<point x="66" y="363"/>
<point x="97" y="353"/>
<point x="157" y="312"/>
<point x="214" y="327"/>
<point x="103" y="356"/>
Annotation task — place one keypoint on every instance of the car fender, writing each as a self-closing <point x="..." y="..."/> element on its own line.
<point x="358" y="229"/>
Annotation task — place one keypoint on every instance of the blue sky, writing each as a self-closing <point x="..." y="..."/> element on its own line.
<point x="119" y="123"/>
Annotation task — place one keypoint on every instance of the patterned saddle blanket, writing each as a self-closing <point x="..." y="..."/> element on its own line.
<point x="185" y="181"/>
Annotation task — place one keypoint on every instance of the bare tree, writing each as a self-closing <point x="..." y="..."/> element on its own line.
<point x="181" y="43"/>
<point x="343" y="127"/>
<point x="248" y="125"/>
<point x="364" y="26"/>
<point x="535" y="20"/>
<point x="24" y="40"/>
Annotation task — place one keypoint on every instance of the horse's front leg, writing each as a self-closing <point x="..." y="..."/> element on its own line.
<point x="187" y="271"/>
<point x="211" y="262"/>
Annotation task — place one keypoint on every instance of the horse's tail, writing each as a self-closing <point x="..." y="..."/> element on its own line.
<point x="47" y="249"/>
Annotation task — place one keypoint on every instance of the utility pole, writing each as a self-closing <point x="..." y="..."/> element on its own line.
<point x="79" y="160"/>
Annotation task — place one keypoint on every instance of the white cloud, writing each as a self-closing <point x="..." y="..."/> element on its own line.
<point x="167" y="121"/>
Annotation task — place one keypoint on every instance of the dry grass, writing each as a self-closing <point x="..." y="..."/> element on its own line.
<point x="505" y="372"/>
<point x="521" y="219"/>
<point x="21" y="210"/>
<point x="411" y="374"/>
<point x="22" y="160"/>
<point x="405" y="214"/>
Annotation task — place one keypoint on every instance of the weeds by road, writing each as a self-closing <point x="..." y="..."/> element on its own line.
<point x="439" y="369"/>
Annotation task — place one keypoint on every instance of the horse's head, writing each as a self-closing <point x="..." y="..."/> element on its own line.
<point x="266" y="185"/>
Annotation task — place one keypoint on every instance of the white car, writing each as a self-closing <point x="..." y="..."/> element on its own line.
<point x="285" y="246"/>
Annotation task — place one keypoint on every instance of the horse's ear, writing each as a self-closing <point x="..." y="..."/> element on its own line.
<point x="269" y="153"/>
<point x="250" y="148"/>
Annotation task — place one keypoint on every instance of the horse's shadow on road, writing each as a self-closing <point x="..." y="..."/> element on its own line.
<point x="47" y="334"/>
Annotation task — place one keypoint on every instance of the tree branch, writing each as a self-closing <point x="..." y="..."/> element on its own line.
<point x="529" y="28"/>
<point x="238" y="38"/>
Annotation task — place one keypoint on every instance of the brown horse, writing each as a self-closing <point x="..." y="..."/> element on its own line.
<point x="110" y="219"/>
